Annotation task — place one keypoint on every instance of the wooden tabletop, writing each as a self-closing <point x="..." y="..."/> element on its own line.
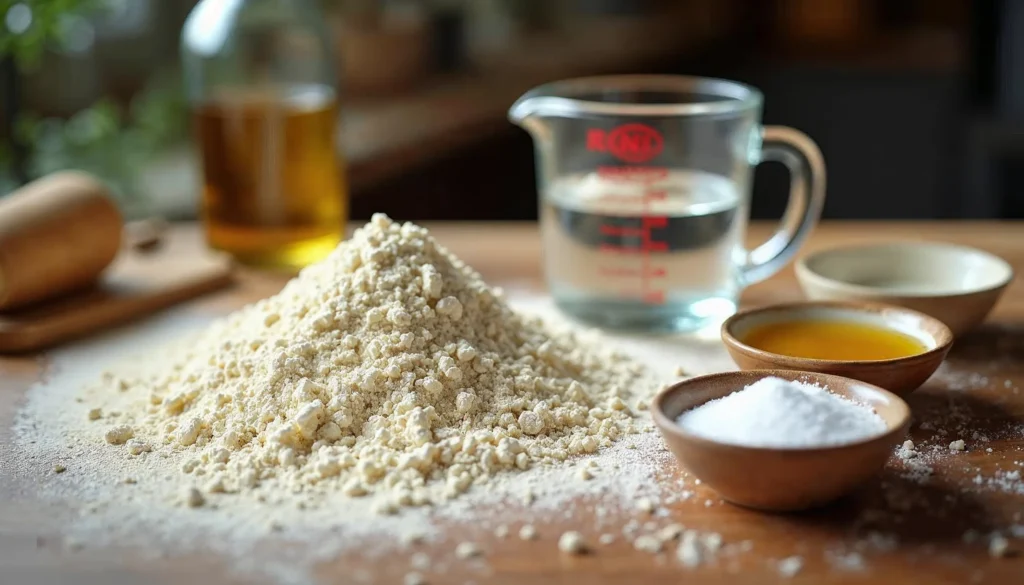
<point x="916" y="535"/>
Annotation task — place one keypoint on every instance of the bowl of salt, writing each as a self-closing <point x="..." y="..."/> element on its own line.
<point x="780" y="440"/>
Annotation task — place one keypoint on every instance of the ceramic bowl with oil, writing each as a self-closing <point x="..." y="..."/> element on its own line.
<point x="891" y="347"/>
<point x="955" y="284"/>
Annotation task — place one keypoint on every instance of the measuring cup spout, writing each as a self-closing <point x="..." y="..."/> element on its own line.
<point x="530" y="111"/>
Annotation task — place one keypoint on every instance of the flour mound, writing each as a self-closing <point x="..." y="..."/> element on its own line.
<point x="389" y="370"/>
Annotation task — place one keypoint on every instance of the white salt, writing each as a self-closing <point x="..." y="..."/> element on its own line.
<point x="773" y="412"/>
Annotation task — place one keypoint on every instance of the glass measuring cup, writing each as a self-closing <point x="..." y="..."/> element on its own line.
<point x="644" y="185"/>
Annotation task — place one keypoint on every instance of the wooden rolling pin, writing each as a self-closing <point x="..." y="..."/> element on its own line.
<point x="57" y="234"/>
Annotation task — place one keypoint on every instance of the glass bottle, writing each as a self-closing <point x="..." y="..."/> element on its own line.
<point x="261" y="82"/>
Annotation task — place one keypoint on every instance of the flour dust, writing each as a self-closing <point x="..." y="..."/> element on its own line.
<point x="156" y="466"/>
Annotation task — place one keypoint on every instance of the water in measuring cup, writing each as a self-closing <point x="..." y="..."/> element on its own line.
<point x="644" y="254"/>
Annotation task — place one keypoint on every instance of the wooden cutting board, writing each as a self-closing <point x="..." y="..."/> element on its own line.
<point x="138" y="283"/>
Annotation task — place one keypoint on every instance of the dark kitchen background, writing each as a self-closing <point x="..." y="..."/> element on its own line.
<point x="916" y="104"/>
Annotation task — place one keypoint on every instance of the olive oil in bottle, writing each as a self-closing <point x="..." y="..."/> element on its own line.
<point x="265" y="117"/>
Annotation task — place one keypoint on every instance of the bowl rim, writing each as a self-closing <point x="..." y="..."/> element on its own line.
<point x="668" y="425"/>
<point x="804" y="270"/>
<point x="944" y="340"/>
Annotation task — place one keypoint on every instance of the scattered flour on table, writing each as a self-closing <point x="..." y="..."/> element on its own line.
<point x="846" y="561"/>
<point x="958" y="380"/>
<point x="277" y="534"/>
<point x="773" y="412"/>
<point x="1008" y="482"/>
<point x="790" y="566"/>
<point x="384" y="392"/>
<point x="572" y="542"/>
<point x="946" y="434"/>
<point x="388" y="370"/>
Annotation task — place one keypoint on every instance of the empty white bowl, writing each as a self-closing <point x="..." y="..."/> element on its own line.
<point x="955" y="284"/>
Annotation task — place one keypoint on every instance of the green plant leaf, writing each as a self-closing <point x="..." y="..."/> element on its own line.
<point x="46" y="28"/>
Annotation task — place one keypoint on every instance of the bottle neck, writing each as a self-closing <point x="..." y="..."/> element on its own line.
<point x="240" y="44"/>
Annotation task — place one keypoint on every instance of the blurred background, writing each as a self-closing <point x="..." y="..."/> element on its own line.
<point x="915" y="103"/>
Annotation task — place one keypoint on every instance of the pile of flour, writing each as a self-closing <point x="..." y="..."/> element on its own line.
<point x="389" y="370"/>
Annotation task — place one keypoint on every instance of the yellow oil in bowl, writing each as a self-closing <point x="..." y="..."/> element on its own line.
<point x="833" y="340"/>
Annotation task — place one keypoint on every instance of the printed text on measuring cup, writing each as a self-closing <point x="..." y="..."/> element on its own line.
<point x="637" y="233"/>
<point x="631" y="143"/>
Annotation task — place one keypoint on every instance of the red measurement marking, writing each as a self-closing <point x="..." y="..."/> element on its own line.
<point x="612" y="198"/>
<point x="646" y="244"/>
<point x="615" y="230"/>
<point x="654" y="297"/>
<point x="621" y="272"/>
<point x="643" y="175"/>
<point x="618" y="249"/>
<point x="655" y="221"/>
<point x="632" y="143"/>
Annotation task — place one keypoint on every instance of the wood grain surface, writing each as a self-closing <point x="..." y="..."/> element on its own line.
<point x="927" y="521"/>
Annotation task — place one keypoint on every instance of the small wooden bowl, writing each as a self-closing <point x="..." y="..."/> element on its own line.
<point x="900" y="375"/>
<point x="955" y="284"/>
<point x="778" y="479"/>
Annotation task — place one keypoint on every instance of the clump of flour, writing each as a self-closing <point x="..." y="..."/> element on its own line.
<point x="388" y="370"/>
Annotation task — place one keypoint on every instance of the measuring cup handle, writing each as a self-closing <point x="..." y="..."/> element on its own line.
<point x="806" y="198"/>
